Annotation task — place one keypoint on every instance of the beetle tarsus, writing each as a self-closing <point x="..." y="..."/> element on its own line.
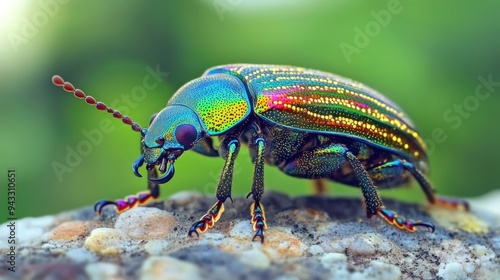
<point x="394" y="219"/>
<point x="258" y="220"/>
<point x="208" y="220"/>
<point x="131" y="201"/>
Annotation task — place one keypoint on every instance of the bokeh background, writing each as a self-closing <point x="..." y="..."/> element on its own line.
<point x="429" y="57"/>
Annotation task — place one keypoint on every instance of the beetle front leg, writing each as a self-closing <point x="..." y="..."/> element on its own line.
<point x="374" y="204"/>
<point x="229" y="150"/>
<point x="131" y="201"/>
<point x="257" y="148"/>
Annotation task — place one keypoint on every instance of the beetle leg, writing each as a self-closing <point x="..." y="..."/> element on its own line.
<point x="374" y="204"/>
<point x="229" y="150"/>
<point x="372" y="200"/>
<point x="396" y="167"/>
<point x="430" y="192"/>
<point x="256" y="209"/>
<point x="319" y="187"/>
<point x="131" y="201"/>
<point x="321" y="162"/>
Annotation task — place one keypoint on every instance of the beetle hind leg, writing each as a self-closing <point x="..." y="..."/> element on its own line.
<point x="430" y="192"/>
<point x="319" y="187"/>
<point x="323" y="161"/>
<point x="132" y="201"/>
<point x="396" y="168"/>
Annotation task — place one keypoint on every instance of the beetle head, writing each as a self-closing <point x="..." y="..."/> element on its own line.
<point x="172" y="131"/>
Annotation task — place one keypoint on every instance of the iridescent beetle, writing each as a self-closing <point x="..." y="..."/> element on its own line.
<point x="308" y="123"/>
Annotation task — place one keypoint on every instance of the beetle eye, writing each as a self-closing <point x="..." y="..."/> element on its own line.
<point x="186" y="134"/>
<point x="160" y="141"/>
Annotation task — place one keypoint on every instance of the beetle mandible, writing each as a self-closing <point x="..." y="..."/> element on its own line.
<point x="308" y="123"/>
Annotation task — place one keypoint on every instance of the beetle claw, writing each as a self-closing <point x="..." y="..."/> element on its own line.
<point x="430" y="227"/>
<point x="259" y="234"/>
<point x="101" y="204"/>
<point x="194" y="228"/>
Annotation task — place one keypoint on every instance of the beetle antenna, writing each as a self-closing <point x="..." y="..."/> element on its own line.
<point x="67" y="86"/>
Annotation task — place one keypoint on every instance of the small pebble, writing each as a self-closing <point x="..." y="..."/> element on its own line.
<point x="452" y="271"/>
<point x="382" y="270"/>
<point x="145" y="223"/>
<point x="106" y="241"/>
<point x="280" y="244"/>
<point x="103" y="271"/>
<point x="335" y="261"/>
<point x="156" y="246"/>
<point x="81" y="255"/>
<point x="185" y="197"/>
<point x="315" y="250"/>
<point x="255" y="258"/>
<point x="362" y="245"/>
<point x="164" y="267"/>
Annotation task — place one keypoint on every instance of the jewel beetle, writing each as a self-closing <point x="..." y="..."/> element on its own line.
<point x="308" y="123"/>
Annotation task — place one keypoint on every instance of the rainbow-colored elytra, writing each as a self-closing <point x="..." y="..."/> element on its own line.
<point x="322" y="102"/>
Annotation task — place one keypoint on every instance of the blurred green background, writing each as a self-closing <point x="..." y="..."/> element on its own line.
<point x="426" y="56"/>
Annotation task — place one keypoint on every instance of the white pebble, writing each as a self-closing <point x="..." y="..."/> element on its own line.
<point x="453" y="271"/>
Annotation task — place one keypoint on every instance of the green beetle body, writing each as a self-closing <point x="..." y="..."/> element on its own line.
<point x="311" y="124"/>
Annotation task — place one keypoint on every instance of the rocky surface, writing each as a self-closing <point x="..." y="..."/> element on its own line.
<point x="308" y="238"/>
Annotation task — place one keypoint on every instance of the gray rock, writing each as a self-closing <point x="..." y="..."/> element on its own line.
<point x="308" y="238"/>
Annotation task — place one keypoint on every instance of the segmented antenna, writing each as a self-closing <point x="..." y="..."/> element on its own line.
<point x="67" y="86"/>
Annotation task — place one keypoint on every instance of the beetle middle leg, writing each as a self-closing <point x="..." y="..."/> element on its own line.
<point x="257" y="147"/>
<point x="229" y="149"/>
